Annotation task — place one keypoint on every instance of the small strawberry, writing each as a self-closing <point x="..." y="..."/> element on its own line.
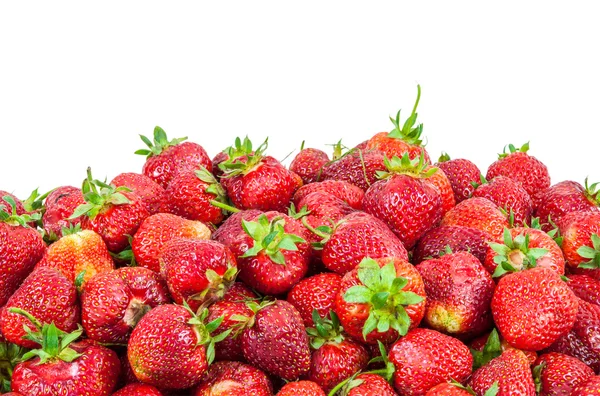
<point x="588" y="388"/>
<point x="510" y="372"/>
<point x="343" y="190"/>
<point x="461" y="173"/>
<point x="231" y="228"/>
<point x="138" y="390"/>
<point x="301" y="388"/>
<point x="581" y="239"/>
<point x="557" y="374"/>
<point x="232" y="379"/>
<point x="150" y="192"/>
<point x="316" y="292"/>
<point x="59" y="205"/>
<point x="165" y="159"/>
<point x="458" y="238"/>
<point x="365" y="385"/>
<point x="308" y="164"/>
<point x="18" y="204"/>
<point x="449" y="389"/>
<point x="480" y="213"/>
<point x="358" y="166"/>
<point x="508" y="195"/>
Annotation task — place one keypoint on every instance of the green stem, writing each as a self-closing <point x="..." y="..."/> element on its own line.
<point x="27" y="315"/>
<point x="224" y="206"/>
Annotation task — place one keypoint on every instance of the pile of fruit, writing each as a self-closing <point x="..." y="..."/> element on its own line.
<point x="374" y="272"/>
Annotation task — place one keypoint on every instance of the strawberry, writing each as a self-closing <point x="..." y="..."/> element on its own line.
<point x="171" y="347"/>
<point x="113" y="303"/>
<point x="366" y="385"/>
<point x="510" y="372"/>
<point x="424" y="358"/>
<point x="557" y="374"/>
<point x="165" y="159"/>
<point x="405" y="200"/>
<point x="585" y="287"/>
<point x="272" y="253"/>
<point x="197" y="271"/>
<point x="459" y="293"/>
<point x="533" y="308"/>
<point x="59" y="205"/>
<point x="18" y="204"/>
<point x="231" y="228"/>
<point x="301" y="388"/>
<point x="358" y="166"/>
<point x="317" y="292"/>
<point x="508" y="195"/>
<point x="458" y="238"/>
<point x="581" y="242"/>
<point x="590" y="387"/>
<point x="157" y="230"/>
<point x="343" y="190"/>
<point x="76" y="252"/>
<point x="276" y="341"/>
<point x="150" y="192"/>
<point x="523" y="168"/>
<point x="308" y="164"/>
<point x="448" y="389"/>
<point x="442" y="183"/>
<point x="488" y="346"/>
<point x="480" y="213"/>
<point x="461" y="173"/>
<point x="380" y="300"/>
<point x="231" y="346"/>
<point x="138" y="390"/>
<point x="112" y="212"/>
<point x="55" y="302"/>
<point x="232" y="379"/>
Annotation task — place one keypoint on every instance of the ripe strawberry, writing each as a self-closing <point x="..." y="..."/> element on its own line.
<point x="232" y="379"/>
<point x="405" y="200"/>
<point x="113" y="303"/>
<point x="459" y="293"/>
<point x="276" y="341"/>
<point x="138" y="390"/>
<point x="45" y="294"/>
<point x="489" y="346"/>
<point x="273" y="254"/>
<point x="76" y="252"/>
<point x="580" y="243"/>
<point x="343" y="190"/>
<point x="59" y="205"/>
<point x="231" y="228"/>
<point x="301" y="388"/>
<point x="480" y="213"/>
<point x="523" y="168"/>
<point x="448" y="389"/>
<point x="358" y="166"/>
<point x="461" y="173"/>
<point x="458" y="238"/>
<point x="510" y="371"/>
<point x="367" y="385"/>
<point x="424" y="358"/>
<point x="317" y="292"/>
<point x="197" y="271"/>
<point x="150" y="192"/>
<point x="442" y="183"/>
<point x="380" y="300"/>
<point x="171" y="347"/>
<point x="533" y="308"/>
<point x="557" y="374"/>
<point x="165" y="159"/>
<point x="508" y="195"/>
<point x="7" y="204"/>
<point x="585" y="287"/>
<point x="157" y="230"/>
<point x="231" y="346"/>
<point x="590" y="387"/>
<point x="308" y="164"/>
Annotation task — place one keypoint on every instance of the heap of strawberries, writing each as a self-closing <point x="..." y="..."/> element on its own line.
<point x="375" y="272"/>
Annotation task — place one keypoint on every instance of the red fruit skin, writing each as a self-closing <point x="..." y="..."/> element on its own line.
<point x="113" y="303"/>
<point x="458" y="238"/>
<point x="343" y="190"/>
<point x="533" y="308"/>
<point x="585" y="287"/>
<point x="277" y="342"/>
<point x="18" y="203"/>
<point x="325" y="209"/>
<point x="162" y="349"/>
<point x="441" y="182"/>
<point x="150" y="192"/>
<point x="233" y="379"/>
<point x="395" y="147"/>
<point x="576" y="229"/>
<point x="509" y="195"/>
<point x="446" y="389"/>
<point x="47" y="295"/>
<point x="560" y="199"/>
<point x="561" y="373"/>
<point x="95" y="372"/>
<point x="359" y="168"/>
<point x="424" y="358"/>
<point x="118" y="221"/>
<point x="459" y="294"/>
<point x="301" y="388"/>
<point x="20" y="249"/>
<point x="186" y="156"/>
<point x="138" y="390"/>
<point x="157" y="230"/>
<point x="571" y="344"/>
<point x="60" y="205"/>
<point x="409" y="206"/>
<point x="512" y="372"/>
<point x="372" y="384"/>
<point x="480" y="213"/>
<point x="308" y="163"/>
<point x="232" y="227"/>
<point x="589" y="388"/>
<point x="357" y="236"/>
<point x="317" y="292"/>
<point x="353" y="316"/>
<point x="523" y="168"/>
<point x="332" y="363"/>
<point x="238" y="292"/>
<point x="461" y="173"/>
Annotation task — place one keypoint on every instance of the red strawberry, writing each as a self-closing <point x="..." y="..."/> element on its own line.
<point x="510" y="372"/>
<point x="157" y="230"/>
<point x="308" y="164"/>
<point x="113" y="303"/>
<point x="461" y="173"/>
<point x="380" y="300"/>
<point x="442" y="183"/>
<point x="18" y="204"/>
<point x="317" y="292"/>
<point x="580" y="239"/>
<point x="367" y="385"/>
<point x="448" y="389"/>
<point x="358" y="166"/>
<point x="165" y="159"/>
<point x="585" y="287"/>
<point x="150" y="192"/>
<point x="60" y="204"/>
<point x="480" y="213"/>
<point x="405" y="200"/>
<point x="508" y="195"/>
<point x="233" y="379"/>
<point x="458" y="238"/>
<point x="459" y="293"/>
<point x="231" y="228"/>
<point x="533" y="308"/>
<point x="197" y="271"/>
<point x="557" y="374"/>
<point x="589" y="388"/>
<point x="301" y="388"/>
<point x="231" y="346"/>
<point x="47" y="295"/>
<point x="424" y="358"/>
<point x="523" y="168"/>
<point x="138" y="390"/>
<point x="491" y="345"/>
<point x="343" y="190"/>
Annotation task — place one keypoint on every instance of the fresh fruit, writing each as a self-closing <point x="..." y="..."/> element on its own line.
<point x="138" y="390"/>
<point x="580" y="239"/>
<point x="301" y="388"/>
<point x="358" y="166"/>
<point x="590" y="387"/>
<point x="462" y="174"/>
<point x="343" y="190"/>
<point x="366" y="385"/>
<point x="150" y="192"/>
<point x="441" y="182"/>
<point x="510" y="371"/>
<point x="232" y="379"/>
<point x="231" y="228"/>
<point x="480" y="213"/>
<point x="508" y="195"/>
<point x="59" y="206"/>
<point x="231" y="309"/>
<point x="448" y="389"/>
<point x="585" y="287"/>
<point x="308" y="164"/>
<point x="315" y="293"/>
<point x="436" y="242"/>
<point x="557" y="374"/>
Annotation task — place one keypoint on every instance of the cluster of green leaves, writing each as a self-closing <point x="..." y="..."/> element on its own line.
<point x="326" y="330"/>
<point x="205" y="330"/>
<point x="12" y="217"/>
<point x="241" y="157"/>
<point x="97" y="195"/>
<point x="408" y="132"/>
<point x="416" y="167"/>
<point x="592" y="253"/>
<point x="161" y="142"/>
<point x="270" y="237"/>
<point x="512" y="149"/>
<point x="518" y="245"/>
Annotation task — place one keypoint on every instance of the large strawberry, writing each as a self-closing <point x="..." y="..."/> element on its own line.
<point x="480" y="213"/>
<point x="343" y="190"/>
<point x="461" y="173"/>
<point x="380" y="300"/>
<point x="315" y="293"/>
<point x="365" y="384"/>
<point x="231" y="228"/>
<point x="508" y="195"/>
<point x="165" y="159"/>
<point x="585" y="287"/>
<point x="150" y="192"/>
<point x="233" y="378"/>
<point x="580" y="233"/>
<point x="59" y="206"/>
<point x="308" y="164"/>
<point x="510" y="372"/>
<point x="557" y="374"/>
<point x="458" y="238"/>
<point x="357" y="166"/>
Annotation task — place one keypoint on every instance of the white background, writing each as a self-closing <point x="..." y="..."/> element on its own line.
<point x="80" y="80"/>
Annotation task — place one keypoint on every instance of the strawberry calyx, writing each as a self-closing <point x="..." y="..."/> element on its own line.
<point x="444" y="157"/>
<point x="160" y="144"/>
<point x="491" y="350"/>
<point x="35" y="201"/>
<point x="246" y="322"/>
<point x="217" y="286"/>
<point x="324" y="232"/>
<point x="512" y="149"/>
<point x="537" y="376"/>
<point x="592" y="253"/>
<point x="514" y="254"/>
<point x="416" y="168"/>
<point x="553" y="233"/>
<point x="298" y="214"/>
<point x="241" y="158"/>
<point x="214" y="187"/>
<point x="204" y="330"/>
<point x="270" y="237"/>
<point x="383" y="291"/>
<point x="13" y="218"/>
<point x="592" y="192"/>
<point x="408" y="132"/>
<point x="10" y="355"/>
<point x="326" y="331"/>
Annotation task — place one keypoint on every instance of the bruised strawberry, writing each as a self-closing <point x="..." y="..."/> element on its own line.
<point x="150" y="192"/>
<point x="461" y="173"/>
<point x="358" y="166"/>
<point x="480" y="213"/>
<point x="508" y="195"/>
<point x="317" y="292"/>
<point x="301" y="388"/>
<point x="510" y="373"/>
<point x="231" y="228"/>
<point x="308" y="164"/>
<point x="557" y="374"/>
<point x="138" y="390"/>
<point x="343" y="190"/>
<point x="232" y="379"/>
<point x="59" y="205"/>
<point x="435" y="242"/>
